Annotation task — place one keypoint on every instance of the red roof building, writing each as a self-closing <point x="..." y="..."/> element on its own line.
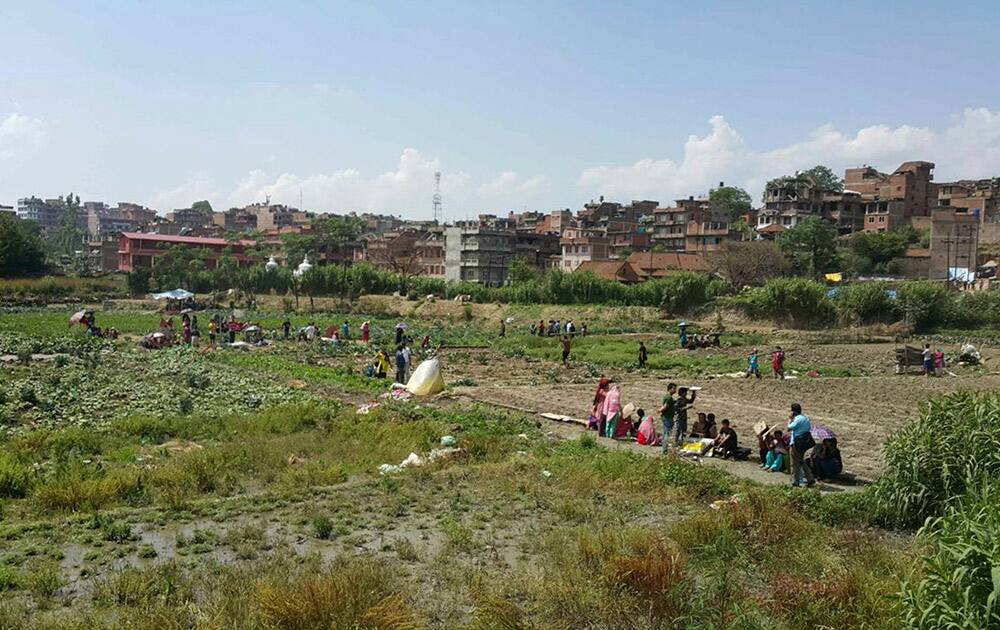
<point x="617" y="270"/>
<point x="139" y="249"/>
<point x="651" y="265"/>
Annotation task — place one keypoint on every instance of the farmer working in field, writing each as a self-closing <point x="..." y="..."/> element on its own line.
<point x="567" y="344"/>
<point x="643" y="355"/>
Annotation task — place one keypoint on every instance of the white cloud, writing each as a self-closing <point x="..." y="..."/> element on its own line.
<point x="18" y="130"/>
<point x="407" y="189"/>
<point x="511" y="185"/>
<point x="195" y="188"/>
<point x="969" y="146"/>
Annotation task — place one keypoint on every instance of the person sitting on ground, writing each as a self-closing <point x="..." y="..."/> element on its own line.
<point x="726" y="442"/>
<point x="763" y="435"/>
<point x="646" y="435"/>
<point x="825" y="460"/>
<point x="777" y="452"/>
<point x="704" y="426"/>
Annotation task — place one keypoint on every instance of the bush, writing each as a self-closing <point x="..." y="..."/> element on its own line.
<point x="951" y="448"/>
<point x="923" y="304"/>
<point x="796" y="301"/>
<point x="958" y="586"/>
<point x="866" y="303"/>
<point x="14" y="477"/>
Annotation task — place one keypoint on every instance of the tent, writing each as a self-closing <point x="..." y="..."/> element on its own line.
<point x="176" y="294"/>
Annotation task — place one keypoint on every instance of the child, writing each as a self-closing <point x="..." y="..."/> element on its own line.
<point x="753" y="367"/>
<point x="777" y="452"/>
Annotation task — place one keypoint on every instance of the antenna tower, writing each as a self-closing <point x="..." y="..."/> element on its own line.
<point x="436" y="199"/>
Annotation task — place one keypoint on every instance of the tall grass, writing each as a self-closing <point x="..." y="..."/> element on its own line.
<point x="952" y="447"/>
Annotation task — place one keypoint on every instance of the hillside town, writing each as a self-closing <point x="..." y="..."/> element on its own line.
<point x="629" y="242"/>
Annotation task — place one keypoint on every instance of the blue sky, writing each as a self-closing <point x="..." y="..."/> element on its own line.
<point x="538" y="105"/>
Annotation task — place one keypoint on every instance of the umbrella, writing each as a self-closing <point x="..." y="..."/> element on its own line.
<point x="186" y="311"/>
<point x="820" y="433"/>
<point x="401" y="325"/>
<point x="77" y="317"/>
<point x="252" y="329"/>
<point x="176" y="294"/>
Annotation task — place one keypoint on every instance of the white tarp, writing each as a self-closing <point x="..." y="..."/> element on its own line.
<point x="176" y="294"/>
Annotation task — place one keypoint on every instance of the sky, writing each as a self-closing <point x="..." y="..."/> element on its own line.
<point x="520" y="105"/>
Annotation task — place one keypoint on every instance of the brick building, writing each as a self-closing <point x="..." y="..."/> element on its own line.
<point x="891" y="200"/>
<point x="478" y="253"/>
<point x="581" y="245"/>
<point x="138" y="249"/>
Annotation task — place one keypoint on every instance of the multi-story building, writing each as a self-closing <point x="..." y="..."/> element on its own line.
<point x="139" y="249"/>
<point x="555" y="222"/>
<point x="693" y="224"/>
<point x="789" y="200"/>
<point x="538" y="249"/>
<point x="235" y="220"/>
<point x="476" y="253"/>
<point x="581" y="245"/>
<point x="104" y="222"/>
<point x="891" y="200"/>
<point x="190" y="218"/>
<point x="431" y="253"/>
<point x="976" y="196"/>
<point x="954" y="241"/>
<point x="7" y="210"/>
<point x="47" y="213"/>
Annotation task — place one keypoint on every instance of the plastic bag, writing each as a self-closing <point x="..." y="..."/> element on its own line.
<point x="426" y="379"/>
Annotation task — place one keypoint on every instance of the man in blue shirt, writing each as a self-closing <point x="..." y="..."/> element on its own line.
<point x="800" y="427"/>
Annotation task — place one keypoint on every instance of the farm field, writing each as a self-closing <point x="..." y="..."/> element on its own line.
<point x="228" y="488"/>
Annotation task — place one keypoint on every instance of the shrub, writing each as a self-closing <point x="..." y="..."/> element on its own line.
<point x="14" y="477"/>
<point x="951" y="448"/>
<point x="958" y="586"/>
<point x="923" y="304"/>
<point x="322" y="526"/>
<point x="866" y="303"/>
<point x="797" y="301"/>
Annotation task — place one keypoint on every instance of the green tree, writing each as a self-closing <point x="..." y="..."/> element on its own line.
<point x="734" y="201"/>
<point x="138" y="281"/>
<point x="824" y="178"/>
<point x="202" y="206"/>
<point x="521" y="270"/>
<point x="875" y="250"/>
<point x="21" y="251"/>
<point x="819" y="176"/>
<point x="811" y="245"/>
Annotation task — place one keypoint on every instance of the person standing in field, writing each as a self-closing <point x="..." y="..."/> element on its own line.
<point x="681" y="406"/>
<point x="778" y="363"/>
<point x="345" y="331"/>
<point x="541" y="328"/>
<point x="286" y="327"/>
<point x="612" y="411"/>
<point x="365" y="331"/>
<point x="400" y="365"/>
<point x="567" y="344"/>
<point x="802" y="440"/>
<point x="643" y="355"/>
<point x="212" y="328"/>
<point x="667" y="413"/>
<point x="503" y="327"/>
<point x="928" y="358"/>
<point x="753" y="364"/>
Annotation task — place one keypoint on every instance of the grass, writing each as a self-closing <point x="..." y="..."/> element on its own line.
<point x="274" y="516"/>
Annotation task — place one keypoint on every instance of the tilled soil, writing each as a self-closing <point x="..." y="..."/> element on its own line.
<point x="863" y="411"/>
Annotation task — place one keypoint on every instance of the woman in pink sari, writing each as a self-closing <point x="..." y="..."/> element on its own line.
<point x="612" y="411"/>
<point x="365" y="331"/>
<point x="647" y="430"/>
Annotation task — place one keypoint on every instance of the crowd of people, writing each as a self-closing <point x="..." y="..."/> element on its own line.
<point x="786" y="446"/>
